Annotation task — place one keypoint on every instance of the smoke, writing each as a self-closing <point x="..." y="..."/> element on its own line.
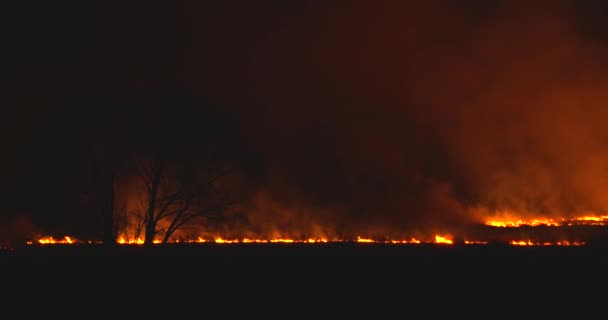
<point x="17" y="229"/>
<point x="366" y="116"/>
<point x="410" y="115"/>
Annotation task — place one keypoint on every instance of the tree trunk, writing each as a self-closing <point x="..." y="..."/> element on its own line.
<point x="150" y="233"/>
<point x="106" y="194"/>
<point x="151" y="219"/>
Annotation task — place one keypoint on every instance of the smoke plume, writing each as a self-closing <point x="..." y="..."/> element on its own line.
<point x="408" y="115"/>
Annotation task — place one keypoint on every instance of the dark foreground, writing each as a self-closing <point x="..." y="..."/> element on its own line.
<point x="310" y="275"/>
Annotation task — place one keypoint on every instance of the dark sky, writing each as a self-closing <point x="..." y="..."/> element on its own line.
<point x="358" y="114"/>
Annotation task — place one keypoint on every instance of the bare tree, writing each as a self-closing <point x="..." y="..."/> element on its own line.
<point x="177" y="194"/>
<point x="180" y="152"/>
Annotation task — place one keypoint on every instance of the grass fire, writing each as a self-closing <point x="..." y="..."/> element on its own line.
<point x="523" y="233"/>
<point x="403" y="124"/>
<point x="266" y="157"/>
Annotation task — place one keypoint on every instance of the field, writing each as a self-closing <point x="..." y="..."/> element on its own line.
<point x="363" y="260"/>
<point x="318" y="273"/>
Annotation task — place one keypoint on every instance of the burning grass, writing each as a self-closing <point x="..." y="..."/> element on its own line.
<point x="66" y="240"/>
<point x="577" y="231"/>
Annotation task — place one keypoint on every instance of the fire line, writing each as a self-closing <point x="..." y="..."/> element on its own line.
<point x="445" y="239"/>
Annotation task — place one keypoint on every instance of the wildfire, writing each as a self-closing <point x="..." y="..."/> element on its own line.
<point x="518" y="223"/>
<point x="552" y="222"/>
<point x="51" y="240"/>
<point x="475" y="242"/>
<point x="64" y="240"/>
<point x="140" y="241"/>
<point x="437" y="239"/>
<point x="413" y="240"/>
<point x="364" y="240"/>
<point x="122" y="240"/>
<point x="559" y="243"/>
<point x="504" y="222"/>
<point x="440" y="239"/>
<point x="221" y="240"/>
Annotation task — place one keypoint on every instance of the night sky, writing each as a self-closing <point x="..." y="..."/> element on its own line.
<point x="360" y="115"/>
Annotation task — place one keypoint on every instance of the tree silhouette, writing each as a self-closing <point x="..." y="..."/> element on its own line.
<point x="175" y="149"/>
<point x="176" y="194"/>
<point x="181" y="164"/>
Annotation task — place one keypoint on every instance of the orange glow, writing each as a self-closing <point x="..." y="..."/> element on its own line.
<point x="220" y="240"/>
<point x="440" y="239"/>
<point x="569" y="243"/>
<point x="282" y="240"/>
<point x="518" y="223"/>
<point x="364" y="240"/>
<point x="597" y="219"/>
<point x="530" y="243"/>
<point x="51" y="240"/>
<point x="197" y="240"/>
<point x="559" y="243"/>
<point x="521" y="243"/>
<point x="413" y="240"/>
<point x="246" y="240"/>
<point x="506" y="219"/>
<point x="475" y="242"/>
<point x="122" y="240"/>
<point x="317" y="240"/>
<point x="554" y="222"/>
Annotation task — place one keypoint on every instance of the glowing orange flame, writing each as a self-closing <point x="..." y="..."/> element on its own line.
<point x="521" y="243"/>
<point x="554" y="222"/>
<point x="364" y="240"/>
<point x="122" y="240"/>
<point x="413" y="240"/>
<point x="559" y="243"/>
<point x="530" y="243"/>
<point x="570" y="243"/>
<point x="475" y="242"/>
<point x="246" y="240"/>
<point x="51" y="240"/>
<point x="440" y="239"/>
<point x="282" y="240"/>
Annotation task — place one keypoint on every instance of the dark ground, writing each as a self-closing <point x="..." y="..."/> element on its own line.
<point x="309" y="278"/>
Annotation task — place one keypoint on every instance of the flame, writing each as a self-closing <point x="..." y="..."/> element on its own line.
<point x="247" y="240"/>
<point x="282" y="240"/>
<point x="220" y="240"/>
<point x="440" y="239"/>
<point x="364" y="240"/>
<point x="506" y="220"/>
<point x="553" y="222"/>
<point x="475" y="242"/>
<point x="122" y="240"/>
<point x="518" y="223"/>
<point x="558" y="243"/>
<point x="413" y="240"/>
<point x="51" y="240"/>
<point x="570" y="243"/>
<point x="437" y="239"/>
